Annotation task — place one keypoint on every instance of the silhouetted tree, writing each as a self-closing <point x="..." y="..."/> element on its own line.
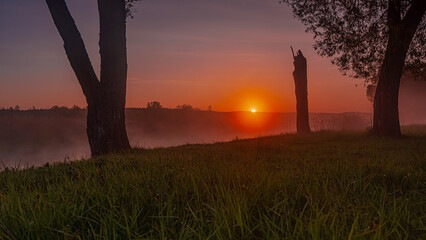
<point x="75" y="107"/>
<point x="106" y="97"/>
<point x="375" y="40"/>
<point x="184" y="107"/>
<point x="154" y="105"/>
<point x="300" y="76"/>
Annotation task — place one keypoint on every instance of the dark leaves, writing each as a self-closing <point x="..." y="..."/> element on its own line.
<point x="130" y="4"/>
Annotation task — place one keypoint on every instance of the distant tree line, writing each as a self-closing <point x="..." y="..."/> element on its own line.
<point x="33" y="108"/>
<point x="153" y="105"/>
<point x="150" y="105"/>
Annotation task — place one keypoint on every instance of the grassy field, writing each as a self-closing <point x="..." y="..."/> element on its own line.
<point x="326" y="186"/>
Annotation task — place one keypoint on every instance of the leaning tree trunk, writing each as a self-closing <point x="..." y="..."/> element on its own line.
<point x="386" y="114"/>
<point x="106" y="99"/>
<point x="401" y="32"/>
<point x="301" y="86"/>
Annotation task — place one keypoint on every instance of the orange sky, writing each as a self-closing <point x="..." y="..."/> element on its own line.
<point x="232" y="55"/>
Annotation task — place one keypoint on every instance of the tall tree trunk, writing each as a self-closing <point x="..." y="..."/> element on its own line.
<point x="106" y="99"/>
<point x="386" y="115"/>
<point x="106" y="126"/>
<point x="106" y="118"/>
<point x="301" y="85"/>
<point x="401" y="32"/>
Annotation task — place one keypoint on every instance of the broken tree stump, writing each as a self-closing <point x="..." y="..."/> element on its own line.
<point x="301" y="89"/>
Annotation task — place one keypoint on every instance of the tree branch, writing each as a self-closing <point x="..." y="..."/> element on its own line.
<point x="414" y="15"/>
<point x="74" y="48"/>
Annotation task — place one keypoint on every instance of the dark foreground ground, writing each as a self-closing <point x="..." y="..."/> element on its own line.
<point x="326" y="186"/>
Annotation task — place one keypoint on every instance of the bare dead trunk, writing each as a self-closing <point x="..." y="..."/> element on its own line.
<point x="301" y="86"/>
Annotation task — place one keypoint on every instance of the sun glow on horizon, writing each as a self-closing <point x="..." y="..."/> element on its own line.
<point x="254" y="100"/>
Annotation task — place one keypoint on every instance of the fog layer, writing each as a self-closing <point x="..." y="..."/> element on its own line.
<point x="36" y="137"/>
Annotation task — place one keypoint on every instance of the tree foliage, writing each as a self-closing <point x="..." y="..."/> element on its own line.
<point x="154" y="105"/>
<point x="186" y="107"/>
<point x="130" y="5"/>
<point x="354" y="33"/>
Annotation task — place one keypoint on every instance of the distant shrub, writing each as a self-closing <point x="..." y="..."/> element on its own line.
<point x="154" y="105"/>
<point x="56" y="107"/>
<point x="75" y="107"/>
<point x="184" y="107"/>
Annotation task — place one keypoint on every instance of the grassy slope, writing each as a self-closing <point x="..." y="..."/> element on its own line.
<point x="327" y="186"/>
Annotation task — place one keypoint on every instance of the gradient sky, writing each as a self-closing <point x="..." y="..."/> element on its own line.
<point x="231" y="54"/>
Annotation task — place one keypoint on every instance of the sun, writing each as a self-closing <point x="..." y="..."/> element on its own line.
<point x="253" y="110"/>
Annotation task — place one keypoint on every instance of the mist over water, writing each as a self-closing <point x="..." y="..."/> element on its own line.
<point x="36" y="137"/>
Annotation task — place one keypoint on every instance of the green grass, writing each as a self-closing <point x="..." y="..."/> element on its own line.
<point x="326" y="186"/>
